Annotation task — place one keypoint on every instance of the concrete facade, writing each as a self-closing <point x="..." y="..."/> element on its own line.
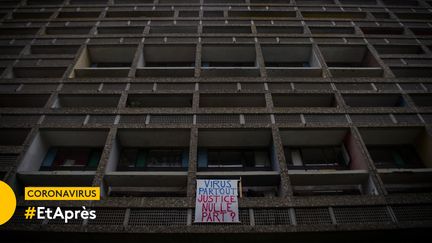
<point x="280" y="76"/>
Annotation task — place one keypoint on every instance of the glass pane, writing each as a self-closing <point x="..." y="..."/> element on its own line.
<point x="164" y="158"/>
<point x="382" y="156"/>
<point x="128" y="158"/>
<point x="262" y="159"/>
<point x="231" y="158"/>
<point x="312" y="156"/>
<point x="72" y="157"/>
<point x="410" y="156"/>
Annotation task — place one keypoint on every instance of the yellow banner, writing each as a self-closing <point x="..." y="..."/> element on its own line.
<point x="62" y="193"/>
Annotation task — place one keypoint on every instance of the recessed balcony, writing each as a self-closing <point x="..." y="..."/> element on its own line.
<point x="291" y="61"/>
<point x="105" y="61"/>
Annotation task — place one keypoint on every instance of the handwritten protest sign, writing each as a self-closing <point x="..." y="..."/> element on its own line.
<point x="216" y="201"/>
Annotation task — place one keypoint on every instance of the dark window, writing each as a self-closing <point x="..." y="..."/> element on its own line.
<point x="327" y="190"/>
<point x="236" y="159"/>
<point x="228" y="64"/>
<point x="71" y="158"/>
<point x="327" y="157"/>
<point x="170" y="64"/>
<point x="402" y="156"/>
<point x="287" y="64"/>
<point x="110" y="64"/>
<point x="153" y="159"/>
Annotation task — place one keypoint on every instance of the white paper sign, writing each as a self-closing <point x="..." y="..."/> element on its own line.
<point x="216" y="201"/>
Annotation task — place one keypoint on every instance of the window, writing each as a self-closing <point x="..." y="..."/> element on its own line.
<point x="81" y="14"/>
<point x="153" y="159"/>
<point x="275" y="29"/>
<point x="78" y="100"/>
<point x="45" y="2"/>
<point x="400" y="3"/>
<point x="410" y="71"/>
<point x="381" y="15"/>
<point x="224" y="1"/>
<point x="67" y="30"/>
<point x="399" y="156"/>
<point x="358" y="2"/>
<point x="188" y="14"/>
<point x="13" y="136"/>
<point x="139" y="14"/>
<point x="304" y="100"/>
<point x="53" y="49"/>
<point x="10" y="50"/>
<point x="235" y="159"/>
<point x="18" y="31"/>
<point x="382" y="30"/>
<point x="120" y="30"/>
<point x="73" y="2"/>
<point x="178" y="29"/>
<point x="27" y="100"/>
<point x="334" y="15"/>
<point x="419" y="16"/>
<point x="31" y="15"/>
<point x="325" y="157"/>
<point x="372" y="100"/>
<point x="71" y="158"/>
<point x="314" y="2"/>
<point x="262" y="14"/>
<point x="133" y="1"/>
<point x="399" y="49"/>
<point x="328" y="190"/>
<point x="421" y="31"/>
<point x="226" y="29"/>
<point x="422" y="100"/>
<point x="160" y="100"/>
<point x="213" y="14"/>
<point x="232" y="100"/>
<point x="332" y="30"/>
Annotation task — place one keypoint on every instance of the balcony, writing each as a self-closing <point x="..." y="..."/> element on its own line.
<point x="167" y="61"/>
<point x="12" y="136"/>
<point x="422" y="100"/>
<point x="325" y="162"/>
<point x="321" y="149"/>
<point x="86" y="101"/>
<point x="374" y="100"/>
<point x="240" y="153"/>
<point x="148" y="162"/>
<point x="399" y="49"/>
<point x="350" y="61"/>
<point x="23" y="100"/>
<point x="303" y="100"/>
<point x="402" y="157"/>
<point x="62" y="157"/>
<point x="228" y="60"/>
<point x="123" y="30"/>
<point x="333" y="183"/>
<point x="232" y="100"/>
<point x="291" y="61"/>
<point x="105" y="61"/>
<point x="159" y="101"/>
<point x="53" y="50"/>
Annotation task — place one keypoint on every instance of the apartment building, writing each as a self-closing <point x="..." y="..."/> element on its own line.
<point x="323" y="109"/>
